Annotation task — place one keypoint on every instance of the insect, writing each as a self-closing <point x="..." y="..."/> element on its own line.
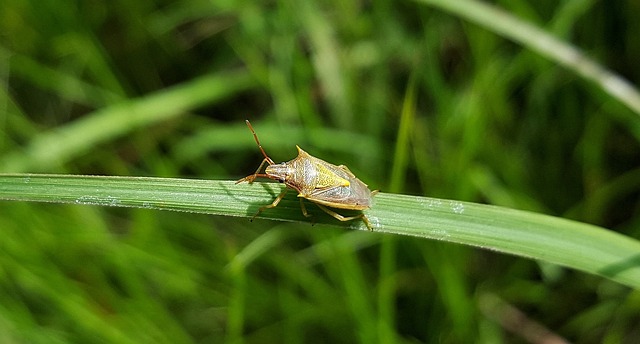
<point x="320" y="182"/>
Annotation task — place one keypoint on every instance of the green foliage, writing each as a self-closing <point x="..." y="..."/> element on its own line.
<point x="522" y="233"/>
<point x="516" y="107"/>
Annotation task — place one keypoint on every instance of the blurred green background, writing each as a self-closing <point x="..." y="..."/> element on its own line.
<point x="162" y="88"/>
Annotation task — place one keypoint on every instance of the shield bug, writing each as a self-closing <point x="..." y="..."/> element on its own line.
<point x="325" y="184"/>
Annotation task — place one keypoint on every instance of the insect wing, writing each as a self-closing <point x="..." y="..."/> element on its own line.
<point x="355" y="196"/>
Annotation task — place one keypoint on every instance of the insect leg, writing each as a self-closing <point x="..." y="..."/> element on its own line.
<point x="272" y="205"/>
<point x="346" y="218"/>
<point x="304" y="209"/>
<point x="252" y="177"/>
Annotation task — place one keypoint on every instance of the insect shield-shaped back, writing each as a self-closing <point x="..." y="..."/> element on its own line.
<point x="325" y="184"/>
<point x="330" y="185"/>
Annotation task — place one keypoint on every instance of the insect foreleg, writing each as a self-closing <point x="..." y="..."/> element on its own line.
<point x="252" y="177"/>
<point x="346" y="218"/>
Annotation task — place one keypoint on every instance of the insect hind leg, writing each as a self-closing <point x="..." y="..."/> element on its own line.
<point x="346" y="218"/>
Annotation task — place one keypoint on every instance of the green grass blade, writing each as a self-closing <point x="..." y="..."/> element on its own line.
<point x="66" y="142"/>
<point x="536" y="39"/>
<point x="568" y="243"/>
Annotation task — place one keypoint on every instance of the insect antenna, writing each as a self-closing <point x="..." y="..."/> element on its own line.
<point x="255" y="136"/>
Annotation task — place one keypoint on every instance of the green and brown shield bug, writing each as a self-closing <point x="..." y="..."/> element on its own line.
<point x="325" y="184"/>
